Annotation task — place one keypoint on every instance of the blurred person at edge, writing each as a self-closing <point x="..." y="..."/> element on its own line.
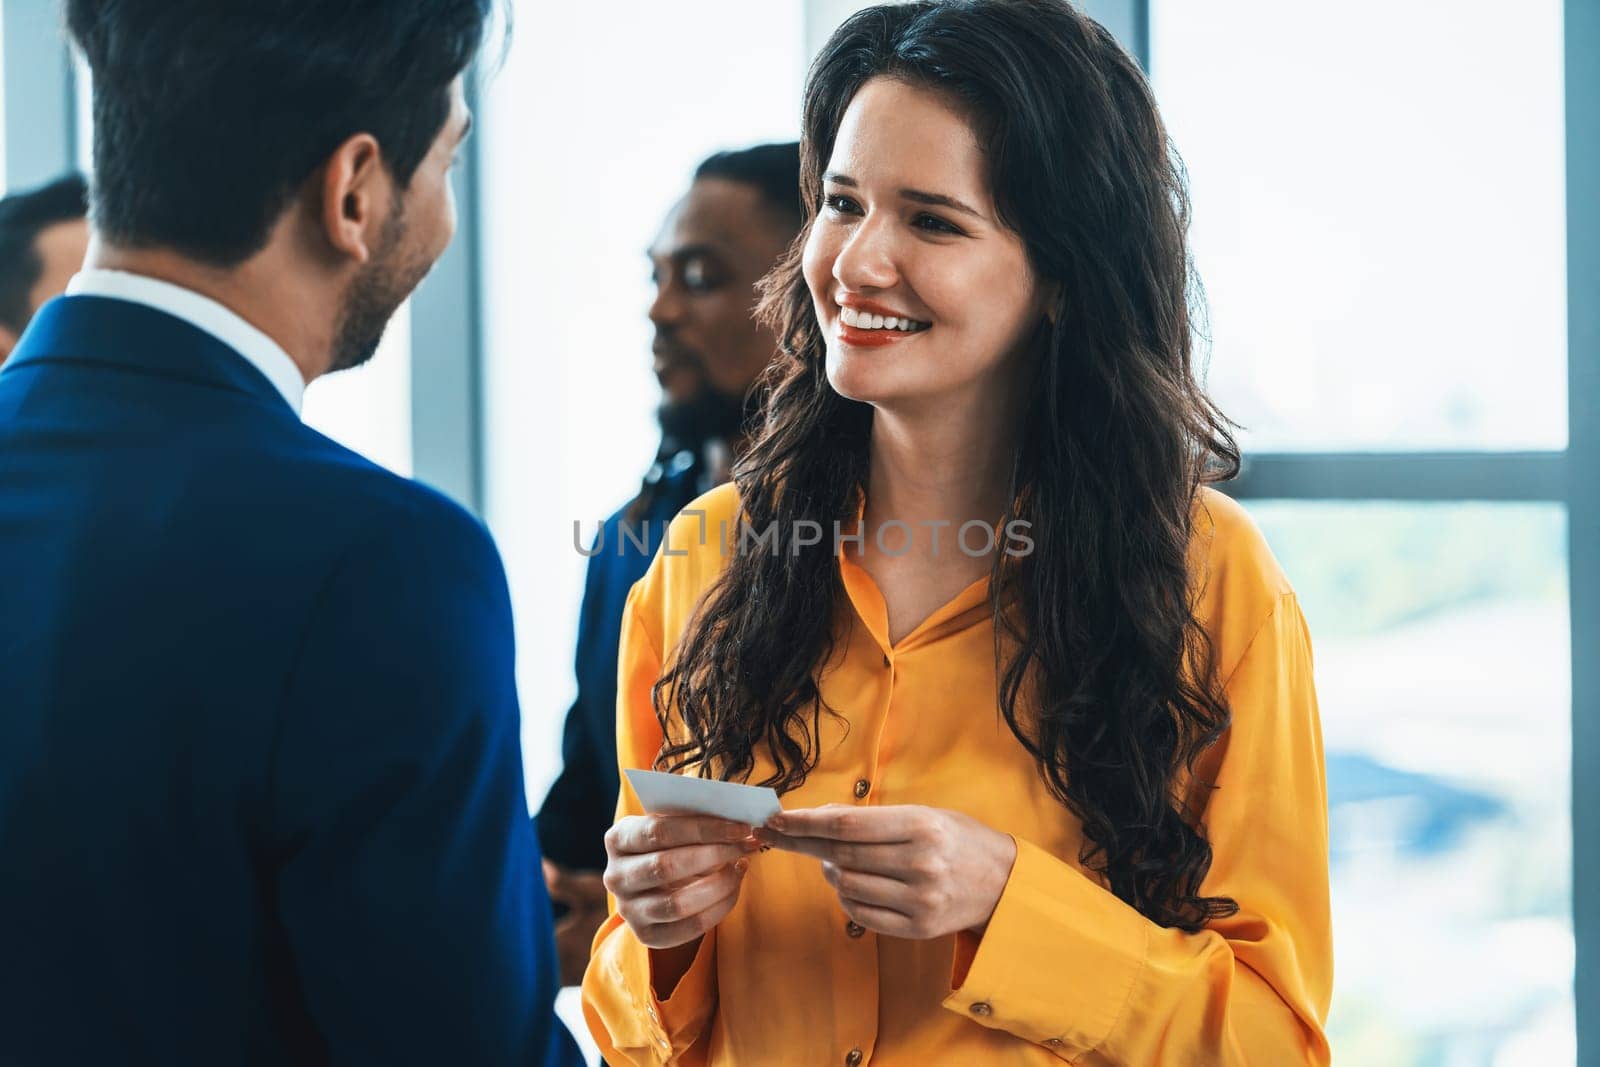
<point x="742" y="211"/>
<point x="1061" y="802"/>
<point x="43" y="237"/>
<point x="261" y="785"/>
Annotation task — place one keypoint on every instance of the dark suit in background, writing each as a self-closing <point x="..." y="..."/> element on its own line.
<point x="261" y="792"/>
<point x="578" y="810"/>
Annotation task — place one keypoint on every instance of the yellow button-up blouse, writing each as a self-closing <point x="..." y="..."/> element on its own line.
<point x="1064" y="971"/>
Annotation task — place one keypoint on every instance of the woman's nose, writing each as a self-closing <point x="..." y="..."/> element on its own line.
<point x="867" y="260"/>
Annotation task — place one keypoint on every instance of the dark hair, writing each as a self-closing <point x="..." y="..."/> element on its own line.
<point x="774" y="170"/>
<point x="209" y="114"/>
<point x="23" y="217"/>
<point x="1105" y="675"/>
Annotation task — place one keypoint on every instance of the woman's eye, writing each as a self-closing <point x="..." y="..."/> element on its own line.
<point x="934" y="224"/>
<point x="842" y="204"/>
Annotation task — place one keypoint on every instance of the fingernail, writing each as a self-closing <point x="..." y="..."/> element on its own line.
<point x="741" y="865"/>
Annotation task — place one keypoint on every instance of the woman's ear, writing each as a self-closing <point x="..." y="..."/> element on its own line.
<point x="1050" y="296"/>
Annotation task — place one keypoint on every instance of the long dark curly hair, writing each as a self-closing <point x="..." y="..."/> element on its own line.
<point x="1105" y="675"/>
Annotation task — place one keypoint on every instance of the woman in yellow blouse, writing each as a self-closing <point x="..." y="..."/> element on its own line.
<point x="1038" y="701"/>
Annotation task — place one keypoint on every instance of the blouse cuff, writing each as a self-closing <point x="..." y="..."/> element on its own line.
<point x="1058" y="960"/>
<point x="661" y="1029"/>
<point x="689" y="1006"/>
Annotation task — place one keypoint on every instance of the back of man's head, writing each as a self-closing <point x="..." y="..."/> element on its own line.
<point x="773" y="169"/>
<point x="23" y="217"/>
<point x="210" y="114"/>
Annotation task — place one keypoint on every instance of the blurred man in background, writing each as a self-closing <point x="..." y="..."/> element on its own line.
<point x="740" y="214"/>
<point x="43" y="236"/>
<point x="261" y="786"/>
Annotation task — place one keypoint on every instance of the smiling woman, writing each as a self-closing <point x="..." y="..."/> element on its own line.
<point x="1021" y="787"/>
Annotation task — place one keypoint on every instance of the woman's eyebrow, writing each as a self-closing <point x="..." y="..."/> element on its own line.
<point x="917" y="195"/>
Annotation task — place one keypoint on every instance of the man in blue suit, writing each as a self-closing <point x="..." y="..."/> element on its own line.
<point x="261" y="793"/>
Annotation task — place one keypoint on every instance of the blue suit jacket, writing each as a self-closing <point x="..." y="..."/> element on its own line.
<point x="261" y="792"/>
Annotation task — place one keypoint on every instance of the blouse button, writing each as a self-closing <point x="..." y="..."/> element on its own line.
<point x="853" y="1058"/>
<point x="1054" y="1042"/>
<point x="982" y="1008"/>
<point x="854" y="929"/>
<point x="863" y="787"/>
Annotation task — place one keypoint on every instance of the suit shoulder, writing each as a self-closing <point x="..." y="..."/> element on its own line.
<point x="371" y="503"/>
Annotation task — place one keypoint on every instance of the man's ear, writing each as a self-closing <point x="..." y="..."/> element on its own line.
<point x="356" y="193"/>
<point x="8" y="341"/>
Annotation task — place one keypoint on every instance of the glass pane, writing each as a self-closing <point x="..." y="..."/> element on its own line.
<point x="1378" y="216"/>
<point x="1443" y="669"/>
<point x="569" y="397"/>
<point x="4" y="184"/>
<point x="368" y="409"/>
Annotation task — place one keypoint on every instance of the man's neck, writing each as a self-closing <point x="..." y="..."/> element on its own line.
<point x="256" y="293"/>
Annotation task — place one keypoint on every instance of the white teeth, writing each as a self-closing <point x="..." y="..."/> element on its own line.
<point x="861" y="320"/>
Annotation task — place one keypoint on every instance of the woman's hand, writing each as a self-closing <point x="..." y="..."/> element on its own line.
<point x="912" y="871"/>
<point x="675" y="876"/>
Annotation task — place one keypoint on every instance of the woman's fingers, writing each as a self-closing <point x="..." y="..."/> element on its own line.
<point x="676" y="903"/>
<point x="879" y="920"/>
<point x="640" y="834"/>
<point x="842" y="822"/>
<point x="631" y="875"/>
<point x="874" y="889"/>
<point x="680" y="931"/>
<point x="894" y="860"/>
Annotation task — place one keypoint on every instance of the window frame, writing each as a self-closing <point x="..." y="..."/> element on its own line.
<point x="1570" y="476"/>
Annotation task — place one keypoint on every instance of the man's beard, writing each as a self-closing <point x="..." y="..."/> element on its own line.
<point x="709" y="415"/>
<point x="375" y="295"/>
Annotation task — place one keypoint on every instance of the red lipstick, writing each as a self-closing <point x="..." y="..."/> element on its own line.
<point x="860" y="338"/>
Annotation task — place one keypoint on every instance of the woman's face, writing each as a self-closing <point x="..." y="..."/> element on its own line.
<point x="908" y="233"/>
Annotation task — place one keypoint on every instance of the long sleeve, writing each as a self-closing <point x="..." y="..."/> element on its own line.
<point x="629" y="1023"/>
<point x="405" y="868"/>
<point x="1066" y="964"/>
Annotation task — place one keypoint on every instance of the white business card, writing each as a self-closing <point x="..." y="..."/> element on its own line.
<point x="677" y="794"/>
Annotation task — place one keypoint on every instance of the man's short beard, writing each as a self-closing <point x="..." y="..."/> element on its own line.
<point x="375" y="294"/>
<point x="709" y="415"/>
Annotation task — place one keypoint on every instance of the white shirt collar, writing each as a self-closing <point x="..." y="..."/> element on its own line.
<point x="265" y="354"/>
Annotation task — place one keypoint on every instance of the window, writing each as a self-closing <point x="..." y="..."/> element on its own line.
<point x="1441" y="649"/>
<point x="1379" y="217"/>
<point x="1381" y="229"/>
<point x="581" y="162"/>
